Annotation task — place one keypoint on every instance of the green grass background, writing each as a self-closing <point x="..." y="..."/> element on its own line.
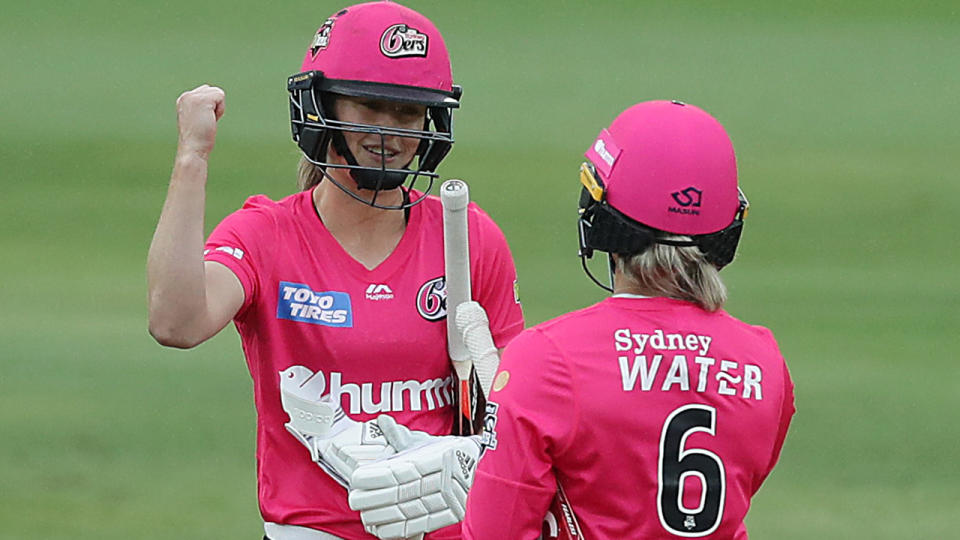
<point x="845" y="117"/>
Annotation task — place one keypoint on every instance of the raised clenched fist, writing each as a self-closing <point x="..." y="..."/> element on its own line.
<point x="197" y="113"/>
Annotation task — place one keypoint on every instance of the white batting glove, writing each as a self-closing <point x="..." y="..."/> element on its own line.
<point x="420" y="489"/>
<point x="474" y="325"/>
<point x="336" y="443"/>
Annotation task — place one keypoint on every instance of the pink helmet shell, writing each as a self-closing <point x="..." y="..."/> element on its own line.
<point x="670" y="166"/>
<point x="384" y="43"/>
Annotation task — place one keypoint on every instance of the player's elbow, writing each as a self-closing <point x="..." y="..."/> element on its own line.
<point x="174" y="324"/>
<point x="171" y="336"/>
<point x="172" y="330"/>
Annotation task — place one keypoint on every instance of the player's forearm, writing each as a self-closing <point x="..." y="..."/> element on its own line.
<point x="175" y="271"/>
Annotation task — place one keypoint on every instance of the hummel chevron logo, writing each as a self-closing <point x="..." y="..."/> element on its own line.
<point x="379" y="291"/>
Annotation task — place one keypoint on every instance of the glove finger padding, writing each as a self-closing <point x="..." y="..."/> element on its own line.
<point x="399" y="436"/>
<point x="336" y="443"/>
<point x="358" y="443"/>
<point x="474" y="326"/>
<point x="418" y="490"/>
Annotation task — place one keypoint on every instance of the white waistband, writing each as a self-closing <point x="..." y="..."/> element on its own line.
<point x="276" y="531"/>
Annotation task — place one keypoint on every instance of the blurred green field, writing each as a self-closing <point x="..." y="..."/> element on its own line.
<point x="845" y="118"/>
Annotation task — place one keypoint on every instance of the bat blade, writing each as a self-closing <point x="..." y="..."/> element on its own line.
<point x="560" y="522"/>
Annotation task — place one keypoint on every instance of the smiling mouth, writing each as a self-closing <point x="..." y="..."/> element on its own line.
<point x="387" y="154"/>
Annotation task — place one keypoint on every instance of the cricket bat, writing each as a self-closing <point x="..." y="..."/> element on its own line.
<point x="560" y="523"/>
<point x="454" y="197"/>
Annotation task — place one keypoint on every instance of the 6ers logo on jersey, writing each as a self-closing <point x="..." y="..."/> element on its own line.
<point x="432" y="299"/>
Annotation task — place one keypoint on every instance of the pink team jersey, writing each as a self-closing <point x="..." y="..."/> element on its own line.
<point x="377" y="336"/>
<point x="659" y="419"/>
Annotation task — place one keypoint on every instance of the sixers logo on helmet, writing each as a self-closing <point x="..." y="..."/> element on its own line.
<point x="322" y="38"/>
<point x="432" y="299"/>
<point x="399" y="40"/>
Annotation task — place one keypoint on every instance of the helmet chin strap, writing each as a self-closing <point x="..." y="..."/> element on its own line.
<point x="376" y="180"/>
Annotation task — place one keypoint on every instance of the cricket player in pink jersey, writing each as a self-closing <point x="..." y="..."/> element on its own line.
<point x="657" y="413"/>
<point x="338" y="291"/>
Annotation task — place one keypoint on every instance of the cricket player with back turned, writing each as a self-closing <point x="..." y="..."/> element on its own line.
<point x="656" y="412"/>
<point x="337" y="291"/>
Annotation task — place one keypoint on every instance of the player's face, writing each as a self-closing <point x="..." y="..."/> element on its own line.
<point x="398" y="152"/>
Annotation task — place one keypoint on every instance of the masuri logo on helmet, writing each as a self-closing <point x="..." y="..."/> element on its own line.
<point x="687" y="197"/>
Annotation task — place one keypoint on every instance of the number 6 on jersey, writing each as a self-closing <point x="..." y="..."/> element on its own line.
<point x="677" y="463"/>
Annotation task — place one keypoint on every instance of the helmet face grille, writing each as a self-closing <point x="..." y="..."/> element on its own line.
<point x="315" y="130"/>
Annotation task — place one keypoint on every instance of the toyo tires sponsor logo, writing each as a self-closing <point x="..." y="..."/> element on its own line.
<point x="432" y="299"/>
<point x="382" y="397"/>
<point x="297" y="302"/>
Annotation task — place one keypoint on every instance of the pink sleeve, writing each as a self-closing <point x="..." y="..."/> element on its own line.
<point x="495" y="277"/>
<point x="240" y="242"/>
<point x="787" y="409"/>
<point x="531" y="420"/>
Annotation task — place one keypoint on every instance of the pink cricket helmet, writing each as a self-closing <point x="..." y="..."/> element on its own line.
<point x="670" y="166"/>
<point x="662" y="167"/>
<point x="389" y="45"/>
